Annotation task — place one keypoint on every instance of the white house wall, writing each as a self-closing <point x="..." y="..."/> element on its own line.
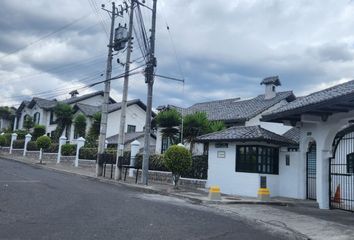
<point x="289" y="183"/>
<point x="222" y="172"/>
<point x="278" y="128"/>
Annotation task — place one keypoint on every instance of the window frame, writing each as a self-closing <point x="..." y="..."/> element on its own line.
<point x="129" y="127"/>
<point x="350" y="163"/>
<point x="257" y="159"/>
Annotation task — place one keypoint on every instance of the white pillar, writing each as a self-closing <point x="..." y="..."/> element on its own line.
<point x="80" y="143"/>
<point x="28" y="138"/>
<point x="13" y="138"/>
<point x="105" y="144"/>
<point x="62" y="141"/>
<point x="40" y="154"/>
<point x="322" y="178"/>
<point x="134" y="149"/>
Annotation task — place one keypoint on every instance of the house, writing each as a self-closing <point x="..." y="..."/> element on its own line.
<point x="6" y="117"/>
<point x="42" y="111"/>
<point x="237" y="112"/>
<point x="324" y="120"/>
<point x="314" y="159"/>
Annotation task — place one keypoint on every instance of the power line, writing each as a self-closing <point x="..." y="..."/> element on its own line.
<point x="45" y="36"/>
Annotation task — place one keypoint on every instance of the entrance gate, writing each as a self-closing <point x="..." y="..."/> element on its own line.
<point x="341" y="169"/>
<point x="311" y="172"/>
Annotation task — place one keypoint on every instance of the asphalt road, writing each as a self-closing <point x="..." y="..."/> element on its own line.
<point x="37" y="203"/>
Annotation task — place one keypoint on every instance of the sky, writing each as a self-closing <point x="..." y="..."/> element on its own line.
<point x="221" y="48"/>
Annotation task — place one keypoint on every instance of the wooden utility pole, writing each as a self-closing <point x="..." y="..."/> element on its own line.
<point x="149" y="79"/>
<point x="107" y="87"/>
<point x="120" y="150"/>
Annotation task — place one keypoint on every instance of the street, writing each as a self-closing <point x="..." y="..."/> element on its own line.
<point x="36" y="203"/>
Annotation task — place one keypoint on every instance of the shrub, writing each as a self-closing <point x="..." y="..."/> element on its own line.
<point x="88" y="153"/>
<point x="8" y="139"/>
<point x="18" y="144"/>
<point x="2" y="140"/>
<point x="43" y="142"/>
<point x="68" y="149"/>
<point x="199" y="168"/>
<point x="32" y="146"/>
<point x="28" y="122"/>
<point x="80" y="125"/>
<point x="53" y="148"/>
<point x="178" y="160"/>
<point x="38" y="130"/>
<point x="21" y="134"/>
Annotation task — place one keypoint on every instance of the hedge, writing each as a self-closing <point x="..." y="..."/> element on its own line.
<point x="68" y="149"/>
<point x="199" y="168"/>
<point x="8" y="139"/>
<point x="21" y="134"/>
<point x="54" y="148"/>
<point x="32" y="146"/>
<point x="18" y="144"/>
<point x="3" y="140"/>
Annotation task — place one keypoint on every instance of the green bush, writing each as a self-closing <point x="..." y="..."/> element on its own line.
<point x="32" y="146"/>
<point x="38" y="130"/>
<point x="199" y="168"/>
<point x="53" y="148"/>
<point x="88" y="153"/>
<point x="68" y="149"/>
<point x="43" y="142"/>
<point x="80" y="125"/>
<point x="2" y="140"/>
<point x="178" y="160"/>
<point x="18" y="144"/>
<point x="21" y="134"/>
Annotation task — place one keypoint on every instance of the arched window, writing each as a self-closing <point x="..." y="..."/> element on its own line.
<point x="36" y="118"/>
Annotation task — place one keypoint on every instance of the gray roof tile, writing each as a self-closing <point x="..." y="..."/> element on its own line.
<point x="129" y="137"/>
<point x="236" y="110"/>
<point x="293" y="134"/>
<point x="246" y="134"/>
<point x="312" y="100"/>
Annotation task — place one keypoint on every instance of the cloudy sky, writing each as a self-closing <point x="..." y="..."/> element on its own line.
<point x="223" y="48"/>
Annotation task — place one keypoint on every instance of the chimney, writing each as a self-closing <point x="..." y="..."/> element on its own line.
<point x="270" y="86"/>
<point x="74" y="93"/>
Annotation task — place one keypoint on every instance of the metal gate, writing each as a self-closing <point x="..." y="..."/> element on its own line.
<point x="341" y="170"/>
<point x="311" y="172"/>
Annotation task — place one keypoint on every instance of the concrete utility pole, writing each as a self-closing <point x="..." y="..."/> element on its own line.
<point x="107" y="87"/>
<point x="149" y="79"/>
<point x="120" y="150"/>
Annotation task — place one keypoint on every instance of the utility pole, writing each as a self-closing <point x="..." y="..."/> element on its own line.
<point x="120" y="150"/>
<point x="107" y="87"/>
<point x="149" y="79"/>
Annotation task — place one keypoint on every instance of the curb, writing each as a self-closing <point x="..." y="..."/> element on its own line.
<point x="147" y="189"/>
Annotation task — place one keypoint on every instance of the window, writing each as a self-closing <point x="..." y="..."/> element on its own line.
<point x="131" y="129"/>
<point x="350" y="163"/>
<point x="52" y="120"/>
<point x="36" y="118"/>
<point x="164" y="144"/>
<point x="257" y="159"/>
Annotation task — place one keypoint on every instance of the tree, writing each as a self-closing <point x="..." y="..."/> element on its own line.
<point x="28" y="122"/>
<point x="168" y="120"/>
<point x="94" y="130"/>
<point x="216" y="126"/>
<point x="178" y="160"/>
<point x="64" y="113"/>
<point x="194" y="125"/>
<point x="43" y="142"/>
<point x="38" y="130"/>
<point x="80" y="125"/>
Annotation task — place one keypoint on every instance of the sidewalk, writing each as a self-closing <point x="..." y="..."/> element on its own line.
<point x="296" y="216"/>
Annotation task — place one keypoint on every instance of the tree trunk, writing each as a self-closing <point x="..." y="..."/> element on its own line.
<point x="176" y="178"/>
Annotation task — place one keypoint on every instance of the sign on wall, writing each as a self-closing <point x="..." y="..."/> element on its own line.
<point x="221" y="154"/>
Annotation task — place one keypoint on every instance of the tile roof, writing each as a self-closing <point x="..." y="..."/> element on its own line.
<point x="83" y="97"/>
<point x="293" y="134"/>
<point x="246" y="134"/>
<point x="129" y="137"/>
<point x="236" y="110"/>
<point x="88" y="110"/>
<point x="42" y="103"/>
<point x="313" y="100"/>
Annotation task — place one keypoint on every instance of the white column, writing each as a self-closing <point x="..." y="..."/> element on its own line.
<point x="322" y="178"/>
<point x="80" y="144"/>
<point x="62" y="141"/>
<point x="105" y="144"/>
<point x="13" y="138"/>
<point x="134" y="149"/>
<point x="28" y="138"/>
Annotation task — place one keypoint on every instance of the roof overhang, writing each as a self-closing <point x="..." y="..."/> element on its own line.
<point x="320" y="110"/>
